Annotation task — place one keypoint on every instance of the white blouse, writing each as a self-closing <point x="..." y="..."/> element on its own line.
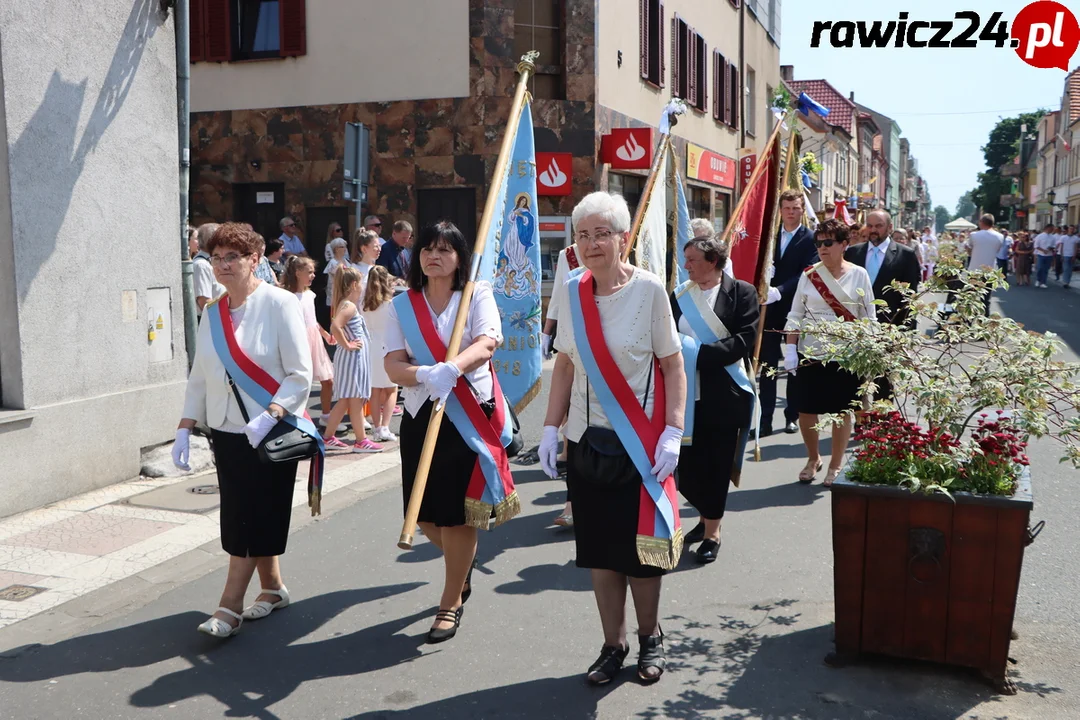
<point x="808" y="305"/>
<point x="270" y="329"/>
<point x="638" y="324"/>
<point x="483" y="319"/>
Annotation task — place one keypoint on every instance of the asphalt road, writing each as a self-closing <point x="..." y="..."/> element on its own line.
<point x="746" y="635"/>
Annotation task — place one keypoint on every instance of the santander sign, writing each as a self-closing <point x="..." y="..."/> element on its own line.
<point x="555" y="171"/>
<point x="629" y="148"/>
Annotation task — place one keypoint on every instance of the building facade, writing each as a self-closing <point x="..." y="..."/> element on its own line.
<point x="434" y="86"/>
<point x="92" y="358"/>
<point x="890" y="150"/>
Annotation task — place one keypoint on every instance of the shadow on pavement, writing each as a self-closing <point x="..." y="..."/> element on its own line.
<point x="566" y="698"/>
<point x="260" y="662"/>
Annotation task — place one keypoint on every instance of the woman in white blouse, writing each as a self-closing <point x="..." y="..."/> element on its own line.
<point x="833" y="290"/>
<point x="340" y="250"/>
<point x="605" y="472"/>
<point x="256" y="498"/>
<point x="439" y="270"/>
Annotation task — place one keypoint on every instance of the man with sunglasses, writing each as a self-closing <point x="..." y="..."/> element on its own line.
<point x="374" y="224"/>
<point x="794" y="252"/>
<point x="886" y="261"/>
<point x="290" y="240"/>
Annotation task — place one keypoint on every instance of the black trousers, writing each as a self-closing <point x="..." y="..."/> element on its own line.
<point x="771" y="354"/>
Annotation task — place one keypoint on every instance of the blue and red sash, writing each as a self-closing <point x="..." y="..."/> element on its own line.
<point x="709" y="329"/>
<point x="491" y="486"/>
<point x="261" y="387"/>
<point x="659" y="536"/>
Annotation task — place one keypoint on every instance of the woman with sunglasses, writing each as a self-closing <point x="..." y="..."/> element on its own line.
<point x="832" y="290"/>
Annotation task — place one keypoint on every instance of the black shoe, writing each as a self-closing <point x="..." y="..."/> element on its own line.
<point x="438" y="635"/>
<point x="651" y="659"/>
<point x="791" y="428"/>
<point x="696" y="535"/>
<point x="467" y="592"/>
<point x="708" y="551"/>
<point x="765" y="431"/>
<point x="608" y="665"/>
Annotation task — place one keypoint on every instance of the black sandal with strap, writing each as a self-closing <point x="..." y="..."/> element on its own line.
<point x="608" y="665"/>
<point x="651" y="657"/>
<point x="438" y="635"/>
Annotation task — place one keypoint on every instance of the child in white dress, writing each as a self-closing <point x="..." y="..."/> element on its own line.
<point x="299" y="274"/>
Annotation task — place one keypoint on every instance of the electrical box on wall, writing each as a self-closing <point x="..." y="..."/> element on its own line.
<point x="159" y="324"/>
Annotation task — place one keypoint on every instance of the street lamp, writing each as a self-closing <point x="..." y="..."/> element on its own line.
<point x="1051" y="196"/>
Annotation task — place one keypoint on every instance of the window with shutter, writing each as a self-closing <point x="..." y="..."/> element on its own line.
<point x="293" y="24"/>
<point x="217" y="19"/>
<point x="701" y="63"/>
<point x="720" y="94"/>
<point x="643" y="24"/>
<point x="197" y="31"/>
<point x="681" y="67"/>
<point x="662" y="37"/>
<point x="651" y="13"/>
<point x="692" y="68"/>
<point x="735" y="93"/>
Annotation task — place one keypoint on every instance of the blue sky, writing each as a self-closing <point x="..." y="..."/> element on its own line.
<point x="917" y="87"/>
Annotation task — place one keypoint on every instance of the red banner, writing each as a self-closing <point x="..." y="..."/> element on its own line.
<point x="749" y="246"/>
<point x="747" y="163"/>
<point x="553" y="173"/>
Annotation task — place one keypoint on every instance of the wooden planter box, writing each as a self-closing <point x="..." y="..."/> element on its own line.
<point x="927" y="578"/>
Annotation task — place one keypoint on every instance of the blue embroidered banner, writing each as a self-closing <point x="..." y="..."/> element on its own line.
<point x="511" y="263"/>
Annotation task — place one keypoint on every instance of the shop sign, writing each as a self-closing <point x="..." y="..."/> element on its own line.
<point x="554" y="171"/>
<point x="629" y="148"/>
<point x="709" y="167"/>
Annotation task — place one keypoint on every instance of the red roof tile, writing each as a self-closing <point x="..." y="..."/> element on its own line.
<point x="841" y="109"/>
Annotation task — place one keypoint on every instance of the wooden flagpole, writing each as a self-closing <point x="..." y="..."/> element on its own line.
<point x="525" y="68"/>
<point x="639" y="217"/>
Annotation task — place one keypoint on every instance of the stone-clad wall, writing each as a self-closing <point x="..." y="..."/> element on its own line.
<point x="435" y="143"/>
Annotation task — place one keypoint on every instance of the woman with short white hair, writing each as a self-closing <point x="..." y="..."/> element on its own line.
<point x="619" y="375"/>
<point x="339" y="248"/>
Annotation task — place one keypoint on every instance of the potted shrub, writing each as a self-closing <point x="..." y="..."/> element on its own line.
<point x="931" y="517"/>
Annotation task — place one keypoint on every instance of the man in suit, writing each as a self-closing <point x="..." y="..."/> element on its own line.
<point x="794" y="252"/>
<point x="886" y="261"/>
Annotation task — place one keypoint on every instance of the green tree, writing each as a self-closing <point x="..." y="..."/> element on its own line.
<point x="966" y="207"/>
<point x="1002" y="146"/>
<point x="941" y="217"/>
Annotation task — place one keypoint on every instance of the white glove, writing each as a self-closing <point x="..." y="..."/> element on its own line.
<point x="769" y="273"/>
<point x="259" y="427"/>
<point x="422" y="373"/>
<point x="774" y="296"/>
<point x="791" y="358"/>
<point x="549" y="451"/>
<point x="181" y="449"/>
<point x="440" y="382"/>
<point x="667" y="452"/>
<point x="545" y="344"/>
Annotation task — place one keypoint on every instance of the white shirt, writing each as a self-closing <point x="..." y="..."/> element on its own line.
<point x="1067" y="245"/>
<point x="483" y="320"/>
<point x="331" y="269"/>
<point x="808" y="304"/>
<point x="1045" y="244"/>
<point x="562" y="269"/>
<point x="270" y="329"/>
<point x="206" y="285"/>
<point x="293" y="245"/>
<point x="984" y="246"/>
<point x="686" y="329"/>
<point x="638" y="324"/>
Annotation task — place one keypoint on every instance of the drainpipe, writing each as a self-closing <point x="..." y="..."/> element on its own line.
<point x="182" y="25"/>
<point x="742" y="74"/>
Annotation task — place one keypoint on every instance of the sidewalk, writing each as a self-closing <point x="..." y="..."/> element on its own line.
<point x="62" y="551"/>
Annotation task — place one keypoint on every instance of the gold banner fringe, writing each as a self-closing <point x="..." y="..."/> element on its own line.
<point x="478" y="513"/>
<point x="315" y="502"/>
<point x="660" y="553"/>
<point x="507" y="509"/>
<point x="528" y="398"/>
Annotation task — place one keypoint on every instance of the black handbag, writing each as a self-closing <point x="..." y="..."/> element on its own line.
<point x="284" y="443"/>
<point x="599" y="458"/>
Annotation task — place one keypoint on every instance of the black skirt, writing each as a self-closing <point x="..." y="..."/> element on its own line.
<point x="451" y="469"/>
<point x="825" y="388"/>
<point x="256" y="498"/>
<point x="705" y="467"/>
<point x="606" y="520"/>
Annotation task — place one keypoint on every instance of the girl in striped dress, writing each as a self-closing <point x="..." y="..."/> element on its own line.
<point x="352" y="362"/>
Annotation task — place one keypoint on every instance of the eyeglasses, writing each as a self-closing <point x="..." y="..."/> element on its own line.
<point x="224" y="260"/>
<point x="583" y="237"/>
<point x="378" y="224"/>
<point x="337" y="230"/>
<point x="827" y="242"/>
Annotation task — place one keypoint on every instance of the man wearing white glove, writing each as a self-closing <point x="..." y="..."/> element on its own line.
<point x="181" y="449"/>
<point x="667" y="452"/>
<point x="774" y="295"/>
<point x="791" y="358"/>
<point x="439" y="380"/>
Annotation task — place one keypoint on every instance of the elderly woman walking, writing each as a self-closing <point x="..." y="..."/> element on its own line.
<point x="252" y="370"/>
<point x="620" y="376"/>
<point x="834" y="290"/>
<point x="717" y="317"/>
<point x="469" y="481"/>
